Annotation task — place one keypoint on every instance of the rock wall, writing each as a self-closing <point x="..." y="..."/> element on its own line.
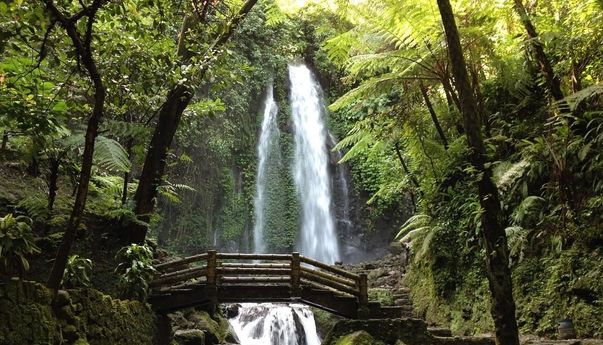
<point x="393" y="332"/>
<point x="29" y="316"/>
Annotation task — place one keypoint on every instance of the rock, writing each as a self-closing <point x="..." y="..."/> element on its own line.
<point x="410" y="331"/>
<point x="231" y="336"/>
<point x="396" y="248"/>
<point x="190" y="337"/>
<point x="356" y="338"/>
<point x="440" y="331"/>
<point x="62" y="298"/>
<point x="232" y="311"/>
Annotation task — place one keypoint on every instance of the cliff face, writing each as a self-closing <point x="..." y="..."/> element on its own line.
<point x="81" y="317"/>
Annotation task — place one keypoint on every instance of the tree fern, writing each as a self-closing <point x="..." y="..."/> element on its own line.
<point x="110" y="155"/>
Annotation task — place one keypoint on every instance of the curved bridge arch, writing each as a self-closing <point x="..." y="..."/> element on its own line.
<point x="216" y="278"/>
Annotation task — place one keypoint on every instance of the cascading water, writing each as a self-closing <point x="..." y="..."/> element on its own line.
<point x="318" y="239"/>
<point x="267" y="145"/>
<point x="271" y="324"/>
<point x="275" y="324"/>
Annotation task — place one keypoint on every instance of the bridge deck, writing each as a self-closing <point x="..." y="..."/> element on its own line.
<point x="237" y="278"/>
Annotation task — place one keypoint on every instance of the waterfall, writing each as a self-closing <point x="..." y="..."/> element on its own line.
<point x="318" y="239"/>
<point x="268" y="146"/>
<point x="275" y="324"/>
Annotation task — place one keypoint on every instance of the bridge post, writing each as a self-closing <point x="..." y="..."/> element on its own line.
<point x="212" y="278"/>
<point x="363" y="309"/>
<point x="295" y="275"/>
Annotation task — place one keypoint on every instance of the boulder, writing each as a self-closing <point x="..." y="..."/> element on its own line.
<point x="190" y="337"/>
<point x="356" y="338"/>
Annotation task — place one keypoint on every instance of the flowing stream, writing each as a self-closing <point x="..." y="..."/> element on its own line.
<point x="318" y="239"/>
<point x="268" y="146"/>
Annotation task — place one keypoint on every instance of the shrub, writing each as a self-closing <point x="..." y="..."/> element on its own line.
<point x="77" y="272"/>
<point x="136" y="270"/>
<point x="16" y="243"/>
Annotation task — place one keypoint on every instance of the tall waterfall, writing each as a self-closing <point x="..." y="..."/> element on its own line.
<point x="267" y="148"/>
<point x="318" y="239"/>
<point x="275" y="324"/>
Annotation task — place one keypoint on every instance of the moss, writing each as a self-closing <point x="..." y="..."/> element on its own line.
<point x="324" y="321"/>
<point x="383" y="296"/>
<point x="81" y="317"/>
<point x="356" y="338"/>
<point x="411" y="331"/>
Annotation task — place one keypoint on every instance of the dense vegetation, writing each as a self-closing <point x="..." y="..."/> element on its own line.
<point x="129" y="120"/>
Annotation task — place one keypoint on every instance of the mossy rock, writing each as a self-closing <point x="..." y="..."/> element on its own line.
<point x="383" y="296"/>
<point x="357" y="338"/>
<point x="410" y="331"/>
<point x="190" y="337"/>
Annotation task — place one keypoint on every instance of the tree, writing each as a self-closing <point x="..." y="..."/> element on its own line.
<point x="552" y="80"/>
<point x="493" y="232"/>
<point x="169" y="118"/>
<point x="82" y="43"/>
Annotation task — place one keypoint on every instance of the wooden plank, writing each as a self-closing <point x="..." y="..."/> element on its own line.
<point x="256" y="293"/>
<point x="254" y="271"/>
<point x="310" y="275"/>
<point x="334" y="278"/>
<point x="254" y="265"/>
<point x="295" y="274"/>
<point x="329" y="268"/>
<point x="255" y="279"/>
<point x="176" y="273"/>
<point x="318" y="286"/>
<point x="192" y="273"/>
<point x="244" y="256"/>
<point x="187" y="260"/>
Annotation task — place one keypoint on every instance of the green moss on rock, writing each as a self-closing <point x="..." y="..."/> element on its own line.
<point x="356" y="338"/>
<point x="77" y="317"/>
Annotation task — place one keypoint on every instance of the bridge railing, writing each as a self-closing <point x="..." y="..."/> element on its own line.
<point x="294" y="270"/>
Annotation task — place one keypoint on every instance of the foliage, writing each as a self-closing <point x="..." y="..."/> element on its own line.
<point x="383" y="296"/>
<point x="77" y="272"/>
<point x="16" y="243"/>
<point x="135" y="269"/>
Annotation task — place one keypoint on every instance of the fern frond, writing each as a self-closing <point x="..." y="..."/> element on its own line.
<point x="577" y="98"/>
<point x="110" y="155"/>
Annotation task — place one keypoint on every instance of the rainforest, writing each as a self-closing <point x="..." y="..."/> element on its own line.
<point x="301" y="172"/>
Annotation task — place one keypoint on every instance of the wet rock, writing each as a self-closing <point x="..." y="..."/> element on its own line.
<point x="190" y="337"/>
<point x="231" y="336"/>
<point x="232" y="311"/>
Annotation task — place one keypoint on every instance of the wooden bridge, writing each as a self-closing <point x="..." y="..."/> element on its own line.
<point x="212" y="278"/>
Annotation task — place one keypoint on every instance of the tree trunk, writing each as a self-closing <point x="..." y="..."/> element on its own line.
<point x="576" y="77"/>
<point x="167" y="124"/>
<point x="434" y="115"/>
<point x="4" y="141"/>
<point x="155" y="161"/>
<point x="552" y="80"/>
<point x="79" y="205"/>
<point x="53" y="176"/>
<point x="82" y="46"/>
<point x="405" y="167"/>
<point x="124" y="191"/>
<point x="493" y="233"/>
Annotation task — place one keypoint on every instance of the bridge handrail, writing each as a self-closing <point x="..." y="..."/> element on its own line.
<point x="297" y="271"/>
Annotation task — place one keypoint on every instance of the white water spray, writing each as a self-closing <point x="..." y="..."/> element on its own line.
<point x="269" y="139"/>
<point x="275" y="324"/>
<point x="318" y="239"/>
